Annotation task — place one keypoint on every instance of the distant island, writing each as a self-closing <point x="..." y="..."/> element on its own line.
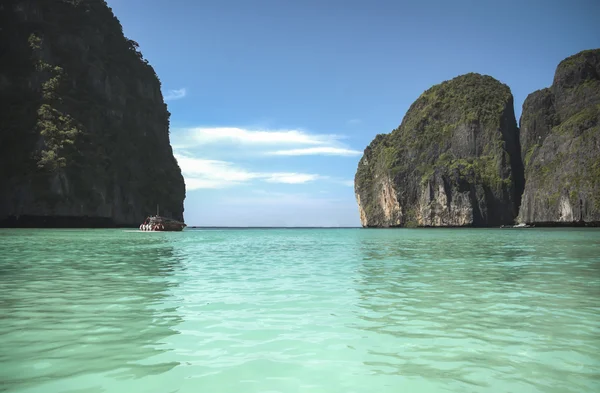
<point x="459" y="159"/>
<point x="85" y="138"/>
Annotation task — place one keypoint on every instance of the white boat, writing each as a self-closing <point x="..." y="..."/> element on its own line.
<point x="158" y="223"/>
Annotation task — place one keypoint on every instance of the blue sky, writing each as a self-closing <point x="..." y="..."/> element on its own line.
<point x="273" y="102"/>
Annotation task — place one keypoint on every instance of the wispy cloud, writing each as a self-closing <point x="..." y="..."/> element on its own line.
<point x="322" y="150"/>
<point x="288" y="142"/>
<point x="353" y="122"/>
<point x="199" y="136"/>
<point x="202" y="173"/>
<point x="191" y="144"/>
<point x="175" y="94"/>
<point x="290" y="178"/>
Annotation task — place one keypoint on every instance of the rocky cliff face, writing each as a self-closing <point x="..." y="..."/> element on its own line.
<point x="560" y="137"/>
<point x="454" y="161"/>
<point x="85" y="131"/>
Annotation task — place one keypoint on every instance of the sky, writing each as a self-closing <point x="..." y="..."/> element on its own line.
<point x="273" y="102"/>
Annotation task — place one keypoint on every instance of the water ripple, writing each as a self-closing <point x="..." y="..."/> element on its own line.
<point x="300" y="311"/>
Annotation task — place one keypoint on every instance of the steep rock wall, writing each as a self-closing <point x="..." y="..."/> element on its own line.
<point x="85" y="130"/>
<point x="454" y="161"/>
<point x="560" y="135"/>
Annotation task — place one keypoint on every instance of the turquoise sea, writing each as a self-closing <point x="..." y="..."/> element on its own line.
<point x="300" y="310"/>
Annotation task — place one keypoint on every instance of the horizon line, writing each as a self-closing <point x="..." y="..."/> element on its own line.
<point x="270" y="227"/>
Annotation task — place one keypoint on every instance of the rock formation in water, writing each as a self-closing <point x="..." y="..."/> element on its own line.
<point x="560" y="139"/>
<point x="85" y="130"/>
<point x="454" y="161"/>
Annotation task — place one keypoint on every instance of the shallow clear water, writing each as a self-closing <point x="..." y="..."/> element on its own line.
<point x="348" y="310"/>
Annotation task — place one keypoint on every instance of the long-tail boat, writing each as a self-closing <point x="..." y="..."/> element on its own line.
<point x="159" y="223"/>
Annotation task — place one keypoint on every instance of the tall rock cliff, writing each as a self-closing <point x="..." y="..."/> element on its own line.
<point x="84" y="136"/>
<point x="454" y="161"/>
<point x="560" y="138"/>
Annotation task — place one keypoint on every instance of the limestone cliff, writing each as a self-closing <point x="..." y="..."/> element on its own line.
<point x="560" y="138"/>
<point x="454" y="161"/>
<point x="85" y="130"/>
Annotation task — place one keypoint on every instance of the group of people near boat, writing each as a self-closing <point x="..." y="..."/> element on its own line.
<point x="151" y="227"/>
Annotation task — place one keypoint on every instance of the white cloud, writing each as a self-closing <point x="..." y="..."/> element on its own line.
<point x="221" y="142"/>
<point x="291" y="178"/>
<point x="198" y="136"/>
<point x="353" y="122"/>
<point x="175" y="94"/>
<point x="202" y="173"/>
<point x="321" y="150"/>
<point x="262" y="142"/>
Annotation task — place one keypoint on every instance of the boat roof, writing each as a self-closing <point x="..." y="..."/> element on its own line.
<point x="165" y="219"/>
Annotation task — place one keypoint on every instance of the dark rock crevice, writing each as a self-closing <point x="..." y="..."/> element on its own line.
<point x="511" y="136"/>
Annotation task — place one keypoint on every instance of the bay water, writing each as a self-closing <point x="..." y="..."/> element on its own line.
<point x="300" y="310"/>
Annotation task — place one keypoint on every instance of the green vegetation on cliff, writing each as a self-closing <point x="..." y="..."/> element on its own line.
<point x="57" y="129"/>
<point x="431" y="121"/>
<point x="85" y="130"/>
<point x="470" y="97"/>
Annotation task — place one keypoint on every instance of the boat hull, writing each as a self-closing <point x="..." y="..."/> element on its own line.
<point x="161" y="224"/>
<point x="151" y="229"/>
